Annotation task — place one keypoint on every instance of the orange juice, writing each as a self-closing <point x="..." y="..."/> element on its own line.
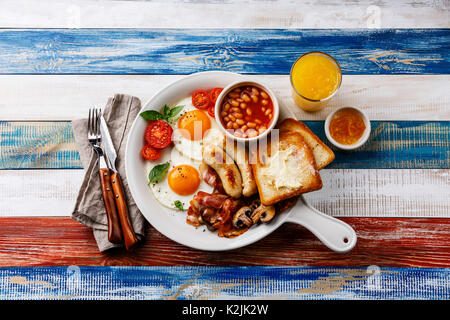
<point x="315" y="77"/>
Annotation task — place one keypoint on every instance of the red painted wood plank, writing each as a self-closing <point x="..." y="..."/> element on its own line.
<point x="395" y="242"/>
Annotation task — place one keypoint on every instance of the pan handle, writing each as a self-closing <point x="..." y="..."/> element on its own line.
<point x="334" y="233"/>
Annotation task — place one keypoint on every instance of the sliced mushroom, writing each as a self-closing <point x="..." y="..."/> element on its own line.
<point x="242" y="217"/>
<point x="263" y="214"/>
<point x="255" y="204"/>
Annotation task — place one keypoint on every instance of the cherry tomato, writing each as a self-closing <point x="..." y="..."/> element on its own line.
<point x="211" y="111"/>
<point x="214" y="93"/>
<point x="150" y="153"/>
<point x="158" y="134"/>
<point x="200" y="99"/>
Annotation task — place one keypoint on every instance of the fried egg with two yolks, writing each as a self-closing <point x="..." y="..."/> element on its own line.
<point x="183" y="179"/>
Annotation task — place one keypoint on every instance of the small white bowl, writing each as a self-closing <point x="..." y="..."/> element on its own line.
<point x="227" y="89"/>
<point x="361" y="140"/>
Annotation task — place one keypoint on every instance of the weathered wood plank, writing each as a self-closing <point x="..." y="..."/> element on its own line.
<point x="393" y="242"/>
<point x="38" y="145"/>
<point x="383" y="193"/>
<point x="224" y="14"/>
<point x="383" y="97"/>
<point x="251" y="51"/>
<point x="392" y="144"/>
<point x="200" y="283"/>
<point x="345" y="192"/>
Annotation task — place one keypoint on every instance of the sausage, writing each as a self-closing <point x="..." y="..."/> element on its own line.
<point x="225" y="167"/>
<point x="242" y="160"/>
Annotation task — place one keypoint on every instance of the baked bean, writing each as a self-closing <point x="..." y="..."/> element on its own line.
<point x="262" y="129"/>
<point x="240" y="122"/>
<point x="255" y="99"/>
<point x="243" y="105"/>
<point x="235" y="109"/>
<point x="251" y="124"/>
<point x="244" y="127"/>
<point x="249" y="112"/>
<point x="252" y="133"/>
<point x="264" y="95"/>
<point x="238" y="115"/>
<point x="239" y="100"/>
<point x="234" y="94"/>
<point x="258" y="121"/>
<point x="235" y="125"/>
<point x="226" y="107"/>
<point x="229" y="124"/>
<point x="232" y="118"/>
<point x="268" y="111"/>
<point x="246" y="97"/>
<point x="255" y="91"/>
<point x="223" y="114"/>
<point x="263" y="109"/>
<point x="237" y="90"/>
<point x="265" y="102"/>
<point x="234" y="103"/>
<point x="226" y="119"/>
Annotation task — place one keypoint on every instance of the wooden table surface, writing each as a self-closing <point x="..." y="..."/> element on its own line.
<point x="59" y="59"/>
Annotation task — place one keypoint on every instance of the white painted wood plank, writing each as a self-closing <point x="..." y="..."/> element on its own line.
<point x="346" y="192"/>
<point x="66" y="97"/>
<point x="384" y="193"/>
<point x="38" y="192"/>
<point x="226" y="14"/>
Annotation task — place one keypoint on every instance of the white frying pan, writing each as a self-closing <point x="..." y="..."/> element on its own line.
<point x="335" y="234"/>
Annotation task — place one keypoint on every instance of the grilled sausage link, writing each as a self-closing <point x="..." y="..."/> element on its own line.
<point x="225" y="167"/>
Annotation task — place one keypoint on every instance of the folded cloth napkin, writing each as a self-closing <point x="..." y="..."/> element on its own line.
<point x="119" y="115"/>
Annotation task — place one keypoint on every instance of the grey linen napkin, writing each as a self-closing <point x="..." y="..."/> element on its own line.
<point x="119" y="115"/>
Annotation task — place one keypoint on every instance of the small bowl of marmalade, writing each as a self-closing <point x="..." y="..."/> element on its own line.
<point x="347" y="128"/>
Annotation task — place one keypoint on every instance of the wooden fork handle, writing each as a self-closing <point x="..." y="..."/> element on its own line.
<point x="114" y="231"/>
<point x="127" y="230"/>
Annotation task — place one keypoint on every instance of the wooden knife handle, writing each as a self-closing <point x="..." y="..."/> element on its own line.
<point x="114" y="232"/>
<point x="127" y="230"/>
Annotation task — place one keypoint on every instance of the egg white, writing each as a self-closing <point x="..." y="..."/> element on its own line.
<point x="162" y="191"/>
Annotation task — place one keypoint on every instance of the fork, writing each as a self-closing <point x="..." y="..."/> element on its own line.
<point x="94" y="137"/>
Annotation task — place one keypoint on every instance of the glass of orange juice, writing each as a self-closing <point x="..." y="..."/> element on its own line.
<point x="315" y="78"/>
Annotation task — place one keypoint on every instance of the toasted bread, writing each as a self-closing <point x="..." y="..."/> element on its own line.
<point x="286" y="169"/>
<point x="322" y="153"/>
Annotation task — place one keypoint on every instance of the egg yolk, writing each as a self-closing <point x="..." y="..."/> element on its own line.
<point x="194" y="124"/>
<point x="184" y="180"/>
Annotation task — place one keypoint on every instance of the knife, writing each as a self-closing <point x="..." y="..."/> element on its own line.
<point x="116" y="182"/>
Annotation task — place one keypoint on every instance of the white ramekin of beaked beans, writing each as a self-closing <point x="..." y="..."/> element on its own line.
<point x="246" y="110"/>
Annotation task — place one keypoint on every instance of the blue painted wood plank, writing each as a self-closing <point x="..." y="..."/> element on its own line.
<point x="250" y="51"/>
<point x="392" y="144"/>
<point x="38" y="145"/>
<point x="395" y="144"/>
<point x="138" y="283"/>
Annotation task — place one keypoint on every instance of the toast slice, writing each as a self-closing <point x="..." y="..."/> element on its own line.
<point x="286" y="169"/>
<point x="322" y="153"/>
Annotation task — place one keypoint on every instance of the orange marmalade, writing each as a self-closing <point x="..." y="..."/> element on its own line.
<point x="347" y="126"/>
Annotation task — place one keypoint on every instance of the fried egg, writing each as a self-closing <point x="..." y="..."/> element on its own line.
<point x="181" y="182"/>
<point x="192" y="127"/>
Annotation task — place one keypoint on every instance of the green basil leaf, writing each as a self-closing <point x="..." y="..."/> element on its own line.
<point x="151" y="115"/>
<point x="166" y="112"/>
<point x="158" y="172"/>
<point x="179" y="205"/>
<point x="174" y="111"/>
